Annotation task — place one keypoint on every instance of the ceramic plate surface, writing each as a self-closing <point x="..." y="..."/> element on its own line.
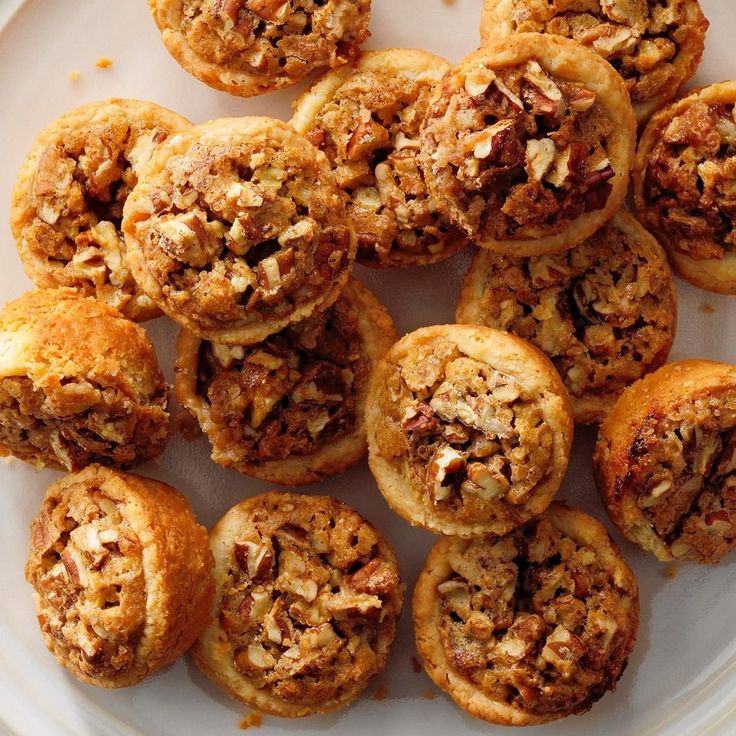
<point x="682" y="676"/>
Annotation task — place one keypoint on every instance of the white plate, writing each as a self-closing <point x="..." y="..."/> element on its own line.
<point x="682" y="676"/>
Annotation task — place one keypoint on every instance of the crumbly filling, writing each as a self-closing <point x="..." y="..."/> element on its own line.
<point x="243" y="232"/>
<point x="289" y="395"/>
<point x="80" y="423"/>
<point x="78" y="194"/>
<point x="90" y="580"/>
<point x="685" y="476"/>
<point x="475" y="439"/>
<point x="601" y="311"/>
<point x="370" y="133"/>
<point x="641" y="39"/>
<point x="690" y="180"/>
<point x="276" y="38"/>
<point x="518" y="150"/>
<point x="307" y="597"/>
<point x="535" y="620"/>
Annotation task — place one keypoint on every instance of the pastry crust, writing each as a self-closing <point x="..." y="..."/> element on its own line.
<point x="469" y="430"/>
<point x="308" y="596"/>
<point x="655" y="47"/>
<point x="683" y="185"/>
<point x="665" y="461"/>
<point x="604" y="312"/>
<point x="79" y="383"/>
<point x="531" y="627"/>
<point x="248" y="48"/>
<point x="303" y="391"/>
<point x="68" y="200"/>
<point x="366" y="118"/>
<point x="122" y="575"/>
<point x="236" y="229"/>
<point x="528" y="144"/>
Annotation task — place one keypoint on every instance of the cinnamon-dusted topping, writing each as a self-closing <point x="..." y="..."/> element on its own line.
<point x="604" y="312"/>
<point x="369" y="130"/>
<point x="517" y="151"/>
<point x="275" y="41"/>
<point x="314" y="620"/>
<point x="683" y="475"/>
<point x="90" y="583"/>
<point x="655" y="47"/>
<point x="68" y="203"/>
<point x="289" y="395"/>
<point x="536" y="620"/>
<point x="240" y="228"/>
<point x="477" y="442"/>
<point x="689" y="186"/>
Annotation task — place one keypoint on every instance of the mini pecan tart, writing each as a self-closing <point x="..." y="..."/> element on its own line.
<point x="79" y="383"/>
<point x="291" y="409"/>
<point x="308" y="596"/>
<point x="237" y="229"/>
<point x="122" y="575"/>
<point x="685" y="185"/>
<point x="529" y="627"/>
<point x="469" y="430"/>
<point x="527" y="145"/>
<point x="665" y="461"/>
<point x="604" y="312"/>
<point x="248" y="47"/>
<point x="366" y="118"/>
<point x="655" y="46"/>
<point x="68" y="201"/>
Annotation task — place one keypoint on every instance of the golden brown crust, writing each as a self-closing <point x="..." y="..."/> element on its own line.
<point x="604" y="312"/>
<point x="68" y="200"/>
<point x="531" y="627"/>
<point x="250" y="47"/>
<point x="281" y="431"/>
<point x="665" y="461"/>
<point x="683" y="185"/>
<point x="366" y="118"/>
<point x="655" y="47"/>
<point x="236" y="229"/>
<point x="516" y="185"/>
<point x="308" y="595"/>
<point x="122" y="575"/>
<point x="469" y="430"/>
<point x="79" y="383"/>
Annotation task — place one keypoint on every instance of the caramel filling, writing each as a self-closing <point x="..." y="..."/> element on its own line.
<point x="534" y="620"/>
<point x="690" y="180"/>
<point x="519" y="151"/>
<point x="289" y="395"/>
<point x="307" y="601"/>
<point x="475" y="439"/>
<point x="90" y="582"/>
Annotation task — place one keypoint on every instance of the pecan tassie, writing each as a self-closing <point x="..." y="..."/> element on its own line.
<point x="469" y="429"/>
<point x="685" y="185"/>
<point x="291" y="409"/>
<point x="308" y="596"/>
<point x="604" y="312"/>
<point x="68" y="200"/>
<point x="530" y="627"/>
<point x="655" y="46"/>
<point x="366" y="118"/>
<point x="527" y="145"/>
<point x="248" y="47"/>
<point x="122" y="575"/>
<point x="666" y="461"/>
<point x="237" y="229"/>
<point x="79" y="383"/>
